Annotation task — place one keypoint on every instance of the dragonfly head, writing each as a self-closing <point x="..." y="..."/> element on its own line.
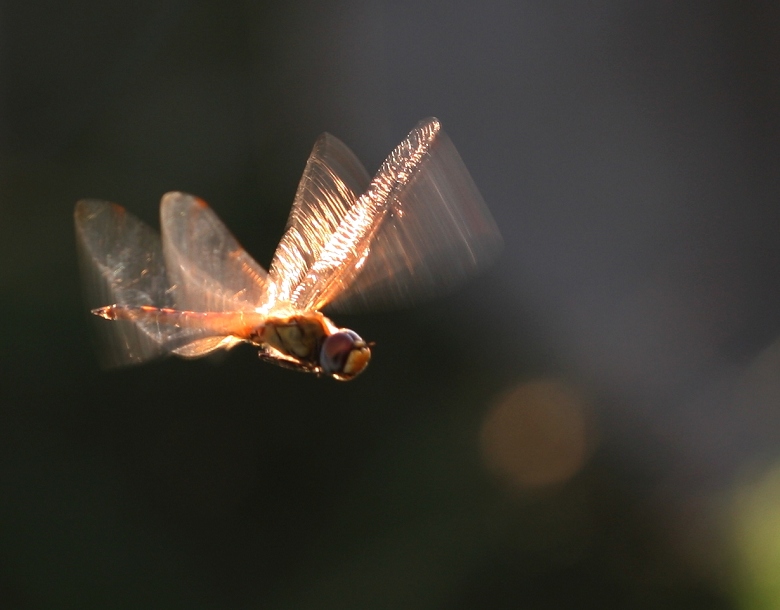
<point x="344" y="355"/>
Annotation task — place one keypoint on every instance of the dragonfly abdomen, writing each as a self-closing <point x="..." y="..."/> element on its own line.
<point x="238" y="324"/>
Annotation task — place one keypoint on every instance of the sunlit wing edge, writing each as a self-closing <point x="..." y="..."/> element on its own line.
<point x="437" y="233"/>
<point x="329" y="187"/>
<point x="420" y="229"/>
<point x="207" y="267"/>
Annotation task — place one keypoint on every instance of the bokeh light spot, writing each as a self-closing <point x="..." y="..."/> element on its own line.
<point x="536" y="434"/>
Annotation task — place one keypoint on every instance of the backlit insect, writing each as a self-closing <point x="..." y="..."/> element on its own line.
<point x="419" y="227"/>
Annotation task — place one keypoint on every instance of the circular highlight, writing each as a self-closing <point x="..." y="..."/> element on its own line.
<point x="536" y="434"/>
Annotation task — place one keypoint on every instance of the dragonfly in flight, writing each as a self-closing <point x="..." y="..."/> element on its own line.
<point x="419" y="227"/>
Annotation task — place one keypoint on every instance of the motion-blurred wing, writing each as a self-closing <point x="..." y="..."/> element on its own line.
<point x="436" y="233"/>
<point x="207" y="268"/>
<point x="330" y="185"/>
<point x="420" y="229"/>
<point x="122" y="263"/>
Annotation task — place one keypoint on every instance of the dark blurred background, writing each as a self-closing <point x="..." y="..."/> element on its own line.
<point x="592" y="423"/>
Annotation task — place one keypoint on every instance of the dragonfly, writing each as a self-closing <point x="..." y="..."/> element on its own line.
<point x="352" y="243"/>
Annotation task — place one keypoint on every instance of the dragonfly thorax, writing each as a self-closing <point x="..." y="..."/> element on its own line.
<point x="310" y="341"/>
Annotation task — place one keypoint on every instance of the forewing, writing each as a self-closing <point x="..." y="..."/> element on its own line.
<point x="122" y="263"/>
<point x="331" y="183"/>
<point x="207" y="267"/>
<point x="420" y="229"/>
<point x="436" y="233"/>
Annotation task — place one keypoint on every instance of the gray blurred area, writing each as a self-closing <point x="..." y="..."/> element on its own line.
<point x="594" y="422"/>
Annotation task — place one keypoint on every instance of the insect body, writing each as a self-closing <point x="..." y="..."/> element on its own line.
<point x="419" y="227"/>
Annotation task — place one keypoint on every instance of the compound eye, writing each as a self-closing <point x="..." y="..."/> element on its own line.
<point x="344" y="354"/>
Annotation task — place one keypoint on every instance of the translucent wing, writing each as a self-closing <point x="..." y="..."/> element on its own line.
<point x="437" y="230"/>
<point x="330" y="185"/>
<point x="420" y="229"/>
<point x="207" y="268"/>
<point x="122" y="263"/>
